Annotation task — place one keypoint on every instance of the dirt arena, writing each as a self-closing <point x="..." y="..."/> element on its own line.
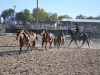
<point x="65" y="61"/>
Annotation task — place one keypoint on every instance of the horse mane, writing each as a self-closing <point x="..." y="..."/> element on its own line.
<point x="24" y="35"/>
<point x="46" y="31"/>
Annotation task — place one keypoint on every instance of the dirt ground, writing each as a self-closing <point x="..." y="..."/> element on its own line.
<point x="64" y="61"/>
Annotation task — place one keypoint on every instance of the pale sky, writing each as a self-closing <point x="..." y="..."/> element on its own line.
<point x="61" y="7"/>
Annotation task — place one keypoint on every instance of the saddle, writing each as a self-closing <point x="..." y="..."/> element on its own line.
<point x="50" y="35"/>
<point x="78" y="35"/>
<point x="81" y="34"/>
<point x="26" y="37"/>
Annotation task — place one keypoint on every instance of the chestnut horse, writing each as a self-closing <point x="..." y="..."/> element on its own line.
<point x="47" y="38"/>
<point x="60" y="39"/>
<point x="25" y="39"/>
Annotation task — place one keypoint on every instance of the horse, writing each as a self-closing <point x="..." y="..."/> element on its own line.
<point x="82" y="36"/>
<point x="35" y="36"/>
<point x="25" y="39"/>
<point x="59" y="40"/>
<point x="47" y="38"/>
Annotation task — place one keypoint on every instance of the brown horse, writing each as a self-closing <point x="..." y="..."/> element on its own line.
<point x="60" y="39"/>
<point x="25" y="39"/>
<point x="35" y="37"/>
<point x="47" y="37"/>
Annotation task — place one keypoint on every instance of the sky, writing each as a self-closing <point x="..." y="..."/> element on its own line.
<point x="61" y="7"/>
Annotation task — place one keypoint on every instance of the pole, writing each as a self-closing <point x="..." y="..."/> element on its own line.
<point x="37" y="12"/>
<point x="14" y="13"/>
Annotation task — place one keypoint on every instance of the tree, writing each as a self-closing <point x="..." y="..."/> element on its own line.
<point x="24" y="16"/>
<point x="52" y="16"/>
<point x="90" y="17"/>
<point x="98" y="17"/>
<point x="41" y="14"/>
<point x="80" y="17"/>
<point x="64" y="16"/>
<point x="6" y="13"/>
<point x="19" y="16"/>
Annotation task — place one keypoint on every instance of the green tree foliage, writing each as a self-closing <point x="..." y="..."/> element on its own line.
<point x="64" y="16"/>
<point x="52" y="16"/>
<point x="19" y="16"/>
<point x="91" y="17"/>
<point x="24" y="16"/>
<point x="98" y="17"/>
<point x="41" y="14"/>
<point x="85" y="17"/>
<point x="6" y="13"/>
<point x="80" y="17"/>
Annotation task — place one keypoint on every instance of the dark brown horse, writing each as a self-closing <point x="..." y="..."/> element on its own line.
<point x="25" y="39"/>
<point x="47" y="38"/>
<point x="82" y="36"/>
<point x="60" y="39"/>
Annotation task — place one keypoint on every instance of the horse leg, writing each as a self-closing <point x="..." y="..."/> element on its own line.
<point x="70" y="42"/>
<point x="50" y="44"/>
<point x="20" y="50"/>
<point x="31" y="48"/>
<point x="76" y="43"/>
<point x="46" y="45"/>
<point x="63" y="43"/>
<point x="42" y="43"/>
<point x="82" y="43"/>
<point x="88" y="43"/>
<point x="27" y="48"/>
<point x="58" y="44"/>
<point x="33" y="43"/>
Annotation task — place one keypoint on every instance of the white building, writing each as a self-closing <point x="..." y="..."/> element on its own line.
<point x="1" y="20"/>
<point x="10" y="19"/>
<point x="87" y="24"/>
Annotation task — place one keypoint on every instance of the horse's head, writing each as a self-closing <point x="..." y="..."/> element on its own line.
<point x="61" y="33"/>
<point x="43" y="32"/>
<point x="70" y="32"/>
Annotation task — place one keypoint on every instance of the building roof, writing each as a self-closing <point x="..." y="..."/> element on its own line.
<point x="81" y="20"/>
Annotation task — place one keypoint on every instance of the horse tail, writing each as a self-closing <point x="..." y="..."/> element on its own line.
<point x="90" y="39"/>
<point x="36" y="37"/>
<point x="34" y="43"/>
<point x="55" y="41"/>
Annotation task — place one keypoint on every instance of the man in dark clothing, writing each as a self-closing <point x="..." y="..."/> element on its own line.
<point x="77" y="30"/>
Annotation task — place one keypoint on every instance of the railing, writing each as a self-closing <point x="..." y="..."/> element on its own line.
<point x="50" y="27"/>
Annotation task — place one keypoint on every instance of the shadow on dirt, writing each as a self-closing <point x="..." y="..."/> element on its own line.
<point x="16" y="52"/>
